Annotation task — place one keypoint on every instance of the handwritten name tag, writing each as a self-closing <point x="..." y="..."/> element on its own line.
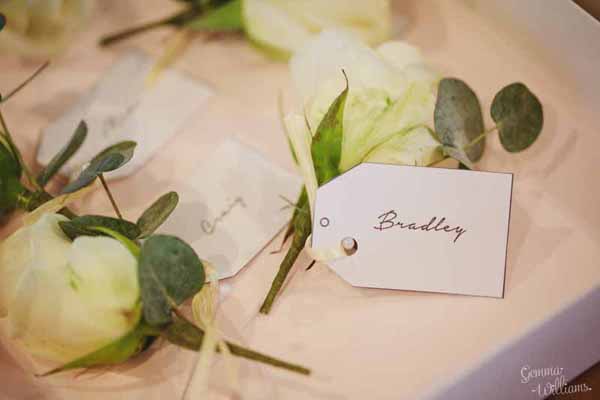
<point x="415" y="228"/>
<point x="124" y="106"/>
<point x="233" y="206"/>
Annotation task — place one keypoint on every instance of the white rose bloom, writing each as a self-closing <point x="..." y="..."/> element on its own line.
<point x="65" y="299"/>
<point x="391" y="99"/>
<point x="283" y="26"/>
<point x="41" y="28"/>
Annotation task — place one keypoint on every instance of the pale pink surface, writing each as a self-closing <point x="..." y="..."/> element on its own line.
<point x="361" y="344"/>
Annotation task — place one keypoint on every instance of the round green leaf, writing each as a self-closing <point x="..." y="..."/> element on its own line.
<point x="458" y="118"/>
<point x="170" y="272"/>
<point x="519" y="116"/>
<point x="157" y="214"/>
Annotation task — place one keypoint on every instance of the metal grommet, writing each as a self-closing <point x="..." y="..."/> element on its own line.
<point x="324" y="222"/>
<point x="350" y="245"/>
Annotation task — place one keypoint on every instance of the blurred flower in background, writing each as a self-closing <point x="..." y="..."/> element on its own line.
<point x="278" y="27"/>
<point x="283" y="26"/>
<point x="41" y="28"/>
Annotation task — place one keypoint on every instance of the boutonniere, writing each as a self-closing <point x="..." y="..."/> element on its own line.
<point x="386" y="106"/>
<point x="92" y="290"/>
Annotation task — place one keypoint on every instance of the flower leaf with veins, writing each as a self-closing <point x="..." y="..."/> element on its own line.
<point x="170" y="272"/>
<point x="519" y="117"/>
<point x="458" y="118"/>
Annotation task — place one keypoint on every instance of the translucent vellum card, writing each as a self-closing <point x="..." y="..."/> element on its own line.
<point x="415" y="228"/>
<point x="233" y="206"/>
<point x="124" y="105"/>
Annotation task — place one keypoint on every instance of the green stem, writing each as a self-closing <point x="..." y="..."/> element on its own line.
<point x="249" y="354"/>
<point x="110" y="196"/>
<point x="175" y="19"/>
<point x="479" y="138"/>
<point x="302" y="228"/>
<point x="25" y="83"/>
<point x="289" y="231"/>
<point x="243" y="352"/>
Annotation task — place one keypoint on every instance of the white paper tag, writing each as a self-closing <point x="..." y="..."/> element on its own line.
<point x="122" y="106"/>
<point x="233" y="206"/>
<point x="417" y="228"/>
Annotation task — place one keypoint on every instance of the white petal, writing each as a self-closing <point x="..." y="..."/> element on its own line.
<point x="322" y="60"/>
<point x="415" y="147"/>
<point x="271" y="28"/>
<point x="301" y="141"/>
<point x="415" y="108"/>
<point x="42" y="242"/>
<point x="72" y="298"/>
<point x="369" y="20"/>
<point x="105" y="273"/>
<point x="283" y="26"/>
<point x="400" y="54"/>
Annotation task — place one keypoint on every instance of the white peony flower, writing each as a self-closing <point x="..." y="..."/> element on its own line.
<point x="283" y="26"/>
<point x="66" y="299"/>
<point x="390" y="101"/>
<point x="41" y="28"/>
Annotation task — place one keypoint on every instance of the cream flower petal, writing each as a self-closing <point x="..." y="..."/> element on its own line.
<point x="320" y="63"/>
<point x="66" y="299"/>
<point x="301" y="141"/>
<point x="415" y="147"/>
<point x="283" y="26"/>
<point x="414" y="109"/>
<point x="17" y="253"/>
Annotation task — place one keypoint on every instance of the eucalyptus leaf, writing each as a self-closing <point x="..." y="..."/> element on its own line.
<point x="64" y="155"/>
<point x="326" y="147"/>
<point x="157" y="214"/>
<point x="458" y="118"/>
<point x="518" y="115"/>
<point x="2" y="21"/>
<point x="227" y="17"/>
<point x="9" y="165"/>
<point x="82" y="226"/>
<point x="126" y="149"/>
<point x="459" y="155"/>
<point x="114" y="353"/>
<point x="108" y="160"/>
<point x="170" y="272"/>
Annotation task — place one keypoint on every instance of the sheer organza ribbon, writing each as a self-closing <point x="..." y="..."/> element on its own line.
<point x="204" y="309"/>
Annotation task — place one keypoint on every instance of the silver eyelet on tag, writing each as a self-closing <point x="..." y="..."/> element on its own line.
<point x="350" y="245"/>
